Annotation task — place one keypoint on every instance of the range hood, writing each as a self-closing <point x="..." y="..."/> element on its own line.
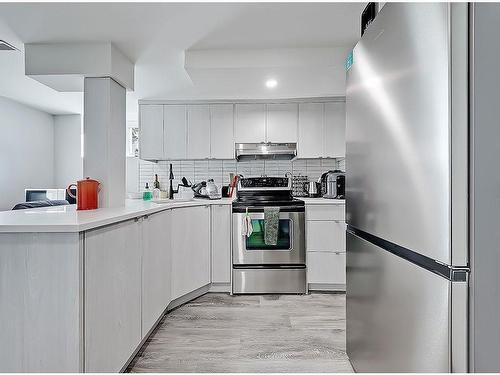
<point x="266" y="151"/>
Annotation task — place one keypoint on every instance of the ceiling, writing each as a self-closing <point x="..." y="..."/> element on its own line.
<point x="156" y="36"/>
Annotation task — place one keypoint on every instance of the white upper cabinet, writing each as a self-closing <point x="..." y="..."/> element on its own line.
<point x="174" y="132"/>
<point x="282" y="123"/>
<point x="221" y="131"/>
<point x="310" y="143"/>
<point x="334" y="140"/>
<point x="250" y="123"/>
<point x="151" y="132"/>
<point x="203" y="131"/>
<point x="198" y="132"/>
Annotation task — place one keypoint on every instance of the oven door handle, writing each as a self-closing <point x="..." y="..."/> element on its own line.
<point x="269" y="266"/>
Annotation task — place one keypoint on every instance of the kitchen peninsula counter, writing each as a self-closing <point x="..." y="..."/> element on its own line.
<point x="66" y="219"/>
<point x="93" y="284"/>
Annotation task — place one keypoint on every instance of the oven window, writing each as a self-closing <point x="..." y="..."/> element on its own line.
<point x="256" y="241"/>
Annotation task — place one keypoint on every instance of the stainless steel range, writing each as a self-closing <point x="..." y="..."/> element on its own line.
<point x="260" y="267"/>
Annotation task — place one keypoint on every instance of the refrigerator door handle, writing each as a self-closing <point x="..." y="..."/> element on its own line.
<point x="451" y="273"/>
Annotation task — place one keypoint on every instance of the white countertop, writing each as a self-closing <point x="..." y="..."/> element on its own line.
<point x="68" y="219"/>
<point x="322" y="201"/>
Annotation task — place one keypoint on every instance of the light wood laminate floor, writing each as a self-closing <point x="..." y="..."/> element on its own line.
<point x="268" y="333"/>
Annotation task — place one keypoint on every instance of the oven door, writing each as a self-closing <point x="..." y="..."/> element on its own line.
<point x="289" y="249"/>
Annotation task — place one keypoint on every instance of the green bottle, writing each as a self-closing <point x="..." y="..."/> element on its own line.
<point x="147" y="195"/>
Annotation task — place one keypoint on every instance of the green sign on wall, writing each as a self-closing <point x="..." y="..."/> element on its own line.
<point x="349" y="61"/>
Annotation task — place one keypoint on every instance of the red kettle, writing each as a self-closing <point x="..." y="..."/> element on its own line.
<point x="86" y="193"/>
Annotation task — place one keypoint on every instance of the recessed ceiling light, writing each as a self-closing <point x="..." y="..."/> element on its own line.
<point x="271" y="83"/>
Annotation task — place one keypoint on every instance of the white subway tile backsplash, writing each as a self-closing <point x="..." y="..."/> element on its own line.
<point x="200" y="170"/>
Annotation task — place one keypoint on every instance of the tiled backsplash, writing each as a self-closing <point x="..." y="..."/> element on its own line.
<point x="201" y="170"/>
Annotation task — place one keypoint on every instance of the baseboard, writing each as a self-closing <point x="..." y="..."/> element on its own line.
<point x="172" y="305"/>
<point x="188" y="297"/>
<point x="327" y="287"/>
<point x="220" y="288"/>
<point x="143" y="341"/>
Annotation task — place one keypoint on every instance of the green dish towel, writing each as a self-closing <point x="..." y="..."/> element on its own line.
<point x="271" y="224"/>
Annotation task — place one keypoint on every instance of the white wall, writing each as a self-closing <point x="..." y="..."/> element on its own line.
<point x="67" y="150"/>
<point x="26" y="151"/>
<point x="132" y="174"/>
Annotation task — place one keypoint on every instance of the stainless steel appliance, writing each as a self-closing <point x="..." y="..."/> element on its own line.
<point x="422" y="206"/>
<point x="258" y="151"/>
<point x="333" y="184"/>
<point x="312" y="188"/>
<point x="259" y="267"/>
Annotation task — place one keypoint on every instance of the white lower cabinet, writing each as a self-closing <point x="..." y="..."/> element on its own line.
<point x="190" y="249"/>
<point x="135" y="268"/>
<point x="326" y="235"/>
<point x="326" y="246"/>
<point x="156" y="268"/>
<point x="325" y="268"/>
<point x="221" y="243"/>
<point x="328" y="212"/>
<point x="112" y="295"/>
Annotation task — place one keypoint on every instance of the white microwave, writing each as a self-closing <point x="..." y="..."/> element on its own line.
<point x="31" y="195"/>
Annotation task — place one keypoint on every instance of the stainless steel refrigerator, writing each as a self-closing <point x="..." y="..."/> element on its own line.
<point x="422" y="128"/>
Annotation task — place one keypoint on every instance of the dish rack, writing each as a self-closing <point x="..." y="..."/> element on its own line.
<point x="298" y="183"/>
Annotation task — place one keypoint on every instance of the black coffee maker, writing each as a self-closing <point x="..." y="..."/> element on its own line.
<point x="333" y="184"/>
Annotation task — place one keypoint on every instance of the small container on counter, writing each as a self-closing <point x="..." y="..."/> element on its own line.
<point x="147" y="194"/>
<point x="156" y="193"/>
<point x="87" y="191"/>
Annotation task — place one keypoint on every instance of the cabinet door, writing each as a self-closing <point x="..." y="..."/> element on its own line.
<point x="156" y="268"/>
<point x="331" y="212"/>
<point x="326" y="268"/>
<point x="326" y="236"/>
<point x="334" y="139"/>
<point x="310" y="143"/>
<point x="174" y="134"/>
<point x="198" y="133"/>
<point x="151" y="132"/>
<point x="190" y="249"/>
<point x="282" y="120"/>
<point x="250" y="123"/>
<point x="112" y="296"/>
<point x="221" y="131"/>
<point x="221" y="243"/>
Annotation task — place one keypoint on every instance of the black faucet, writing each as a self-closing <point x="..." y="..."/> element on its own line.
<point x="171" y="178"/>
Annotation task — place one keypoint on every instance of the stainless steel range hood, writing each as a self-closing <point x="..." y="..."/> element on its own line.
<point x="266" y="151"/>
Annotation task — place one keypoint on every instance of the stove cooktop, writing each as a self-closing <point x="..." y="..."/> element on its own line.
<point x="265" y="192"/>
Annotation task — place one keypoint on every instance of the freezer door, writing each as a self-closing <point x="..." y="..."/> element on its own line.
<point x="398" y="152"/>
<point x="399" y="315"/>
